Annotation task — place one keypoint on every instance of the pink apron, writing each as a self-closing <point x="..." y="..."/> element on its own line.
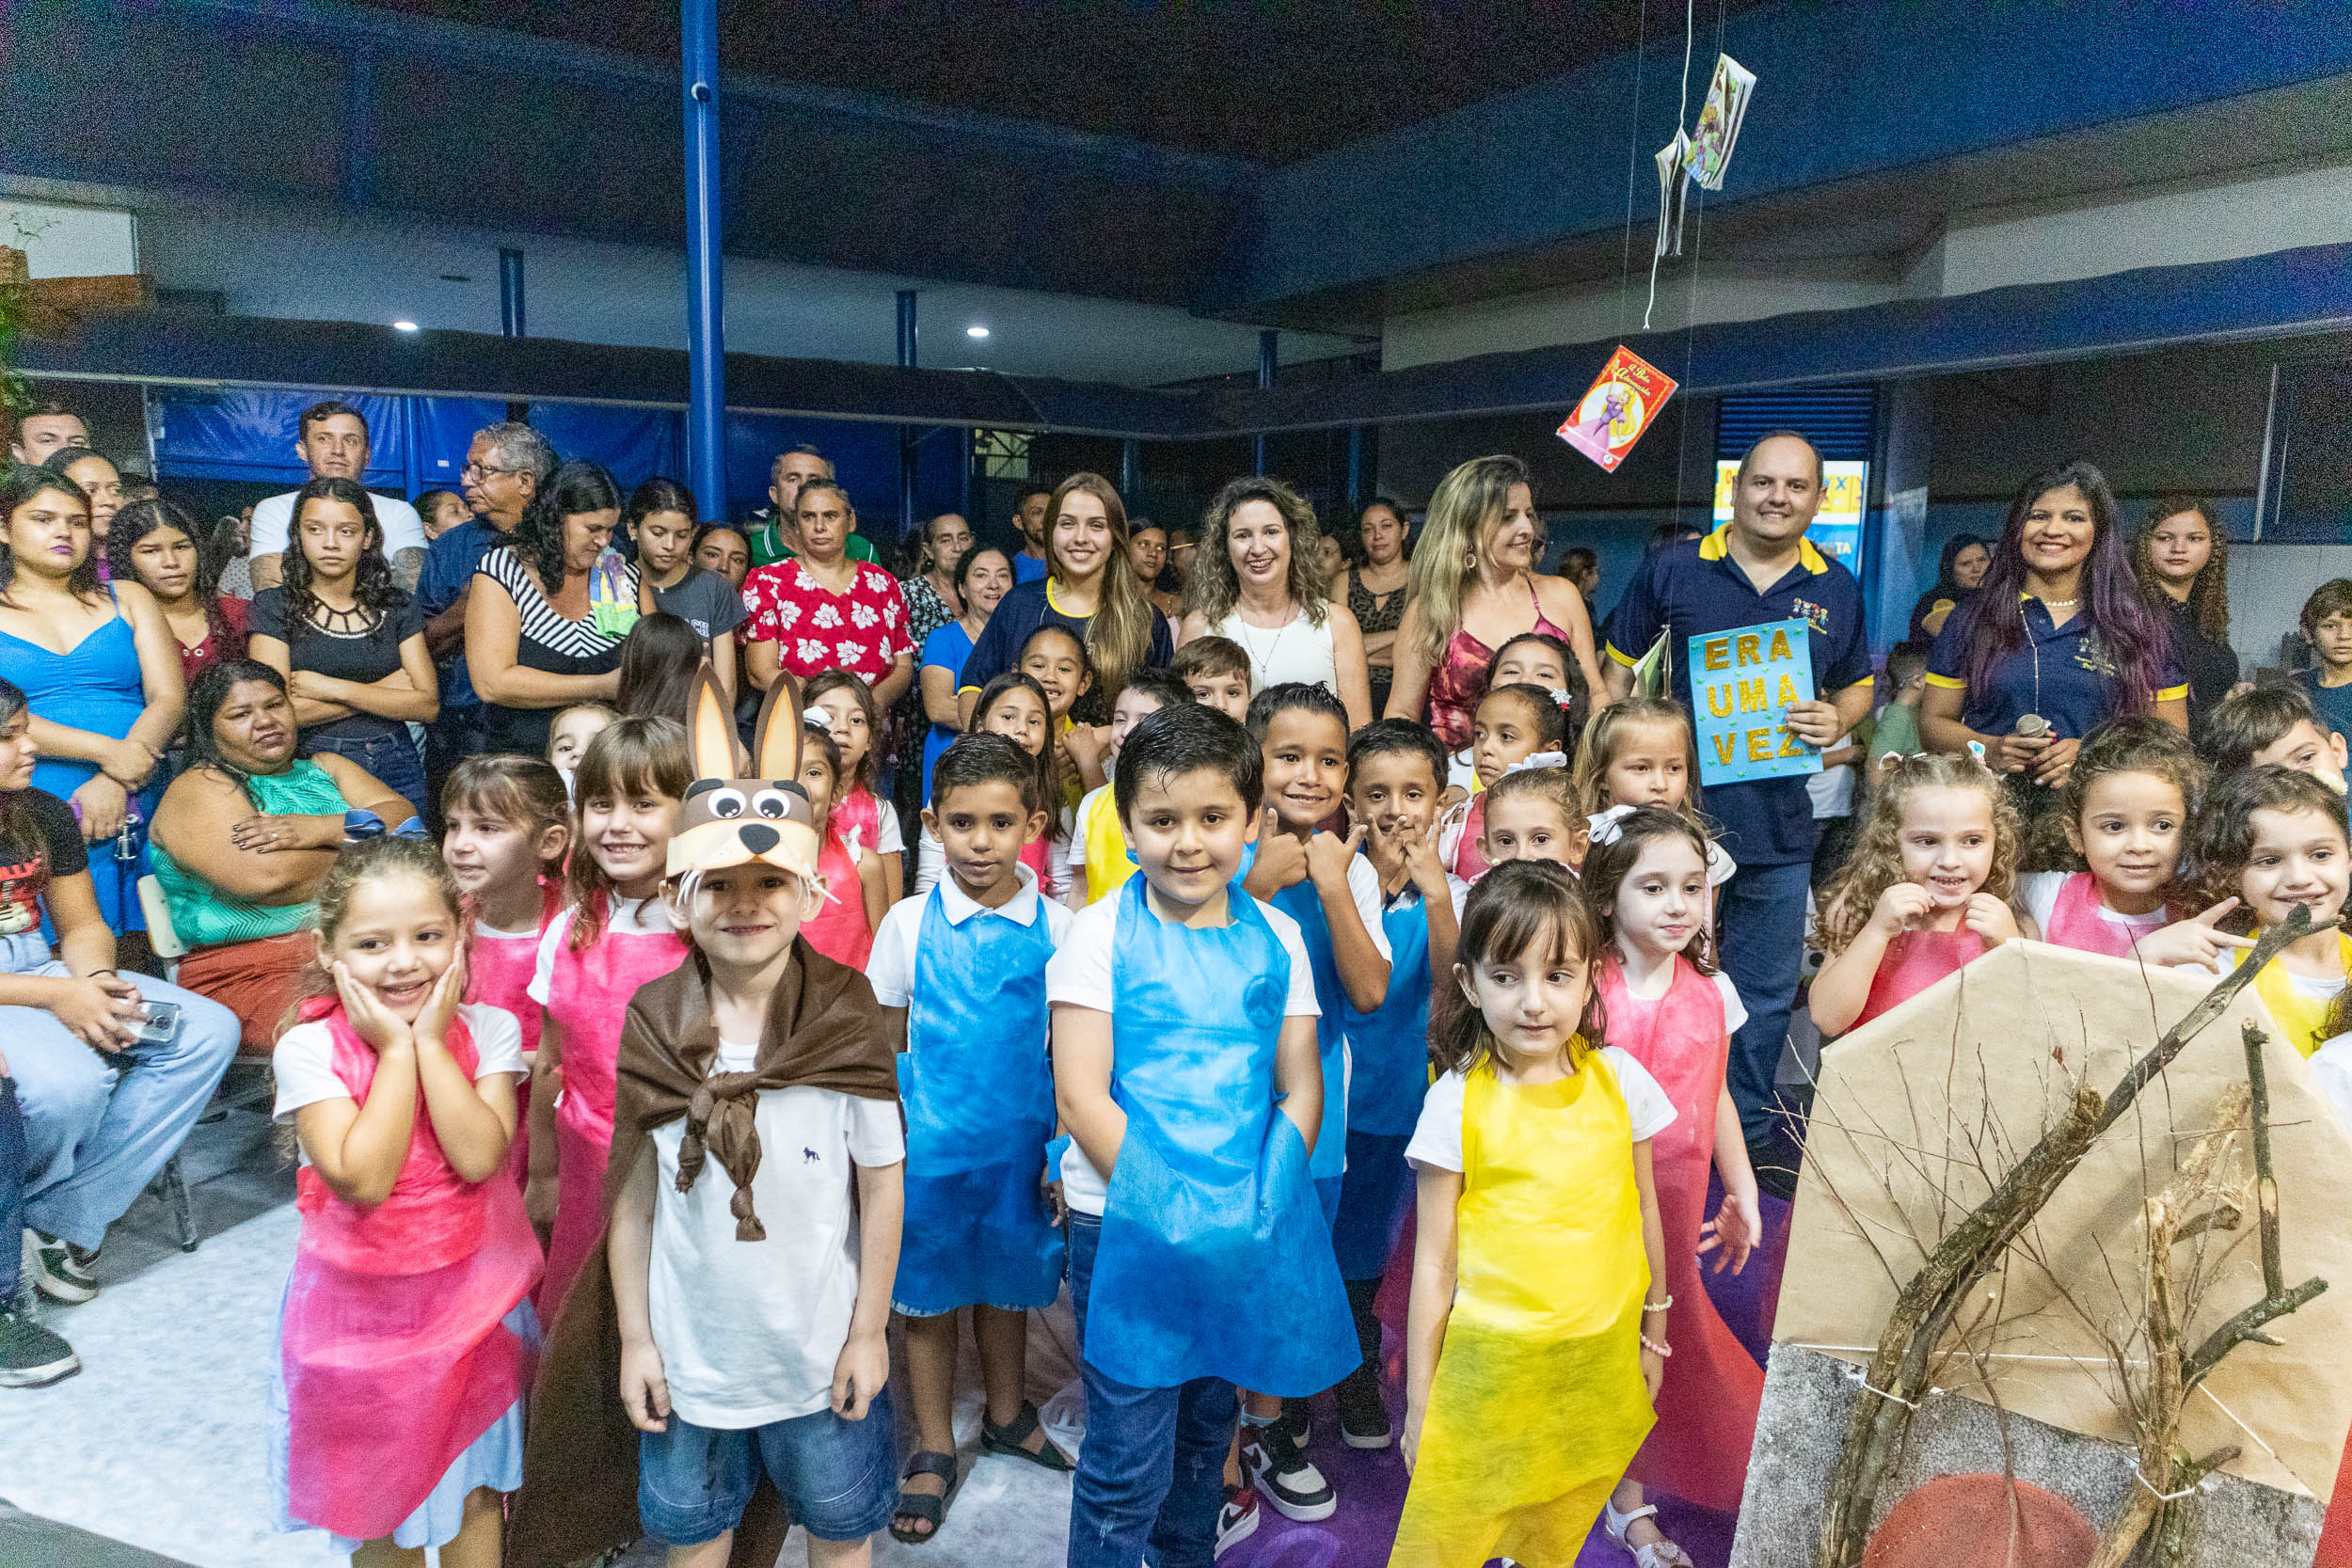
<point x="838" y="929"/>
<point x="1037" y="858"/>
<point x="394" y="1351"/>
<point x="1914" y="961"/>
<point x="1707" y="1408"/>
<point x="1468" y="863"/>
<point x="498" y="975"/>
<point x="2076" y="921"/>
<point x="595" y="986"/>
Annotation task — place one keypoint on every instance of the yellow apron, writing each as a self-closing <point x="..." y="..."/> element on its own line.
<point x="1107" y="865"/>
<point x="1538" y="1404"/>
<point x="2302" y="1018"/>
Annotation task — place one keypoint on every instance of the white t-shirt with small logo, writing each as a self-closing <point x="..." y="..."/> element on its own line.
<point x="749" y="1331"/>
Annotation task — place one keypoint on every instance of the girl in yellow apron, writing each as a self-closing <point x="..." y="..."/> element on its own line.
<point x="1535" y="1341"/>
<point x="2272" y="838"/>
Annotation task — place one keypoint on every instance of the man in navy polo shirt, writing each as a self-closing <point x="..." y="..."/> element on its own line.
<point x="1757" y="568"/>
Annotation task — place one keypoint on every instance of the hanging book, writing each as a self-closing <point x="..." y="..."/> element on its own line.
<point x="1719" y="122"/>
<point x="1622" y="401"/>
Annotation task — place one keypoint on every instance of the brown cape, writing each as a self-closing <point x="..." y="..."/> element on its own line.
<point x="579" y="1458"/>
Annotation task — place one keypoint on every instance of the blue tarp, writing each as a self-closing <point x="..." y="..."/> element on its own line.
<point x="247" y="433"/>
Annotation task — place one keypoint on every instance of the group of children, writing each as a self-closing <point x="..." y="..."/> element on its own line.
<point x="1184" y="1011"/>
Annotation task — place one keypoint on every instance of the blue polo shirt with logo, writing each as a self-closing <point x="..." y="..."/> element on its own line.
<point x="2061" y="672"/>
<point x="1693" y="587"/>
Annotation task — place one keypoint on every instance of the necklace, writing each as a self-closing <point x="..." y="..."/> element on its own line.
<point x="1261" y="664"/>
<point x="2060" y="604"/>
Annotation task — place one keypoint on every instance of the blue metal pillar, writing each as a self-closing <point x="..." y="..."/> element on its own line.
<point x="1130" y="468"/>
<point x="706" y="304"/>
<point x="1266" y="363"/>
<point x="970" y="499"/>
<point x="358" y="170"/>
<point x="906" y="431"/>
<point x="511" y="292"/>
<point x="1356" y="498"/>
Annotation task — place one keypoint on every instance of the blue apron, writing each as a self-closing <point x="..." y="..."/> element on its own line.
<point x="1214" y="1260"/>
<point x="1389" y="1052"/>
<point x="1390" y="1047"/>
<point x="1302" y="903"/>
<point x="979" y="1091"/>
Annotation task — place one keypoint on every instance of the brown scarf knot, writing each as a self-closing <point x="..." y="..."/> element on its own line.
<point x="731" y="1100"/>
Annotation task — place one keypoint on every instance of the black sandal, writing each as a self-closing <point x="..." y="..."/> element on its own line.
<point x="1007" y="1440"/>
<point x="921" y="1505"/>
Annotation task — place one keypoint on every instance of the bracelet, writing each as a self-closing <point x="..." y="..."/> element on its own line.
<point x="1658" y="1348"/>
<point x="1658" y="1305"/>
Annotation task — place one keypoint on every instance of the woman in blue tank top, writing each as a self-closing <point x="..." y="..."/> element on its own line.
<point x="101" y="670"/>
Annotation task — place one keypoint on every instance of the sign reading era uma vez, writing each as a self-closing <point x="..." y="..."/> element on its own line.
<point x="1741" y="684"/>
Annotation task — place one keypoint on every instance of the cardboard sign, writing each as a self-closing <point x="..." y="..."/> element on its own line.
<point x="1741" y="684"/>
<point x="1622" y="401"/>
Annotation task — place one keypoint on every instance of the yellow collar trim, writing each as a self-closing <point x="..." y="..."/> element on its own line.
<point x="1716" y="546"/>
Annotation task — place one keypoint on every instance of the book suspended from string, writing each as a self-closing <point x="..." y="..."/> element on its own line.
<point x="1622" y="403"/>
<point x="1719" y="117"/>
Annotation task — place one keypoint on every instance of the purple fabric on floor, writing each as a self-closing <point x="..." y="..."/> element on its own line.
<point x="1371" y="1483"/>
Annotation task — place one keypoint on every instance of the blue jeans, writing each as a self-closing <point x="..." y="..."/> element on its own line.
<point x="837" y="1476"/>
<point x="392" y="760"/>
<point x="98" y="1127"/>
<point x="1152" y="1472"/>
<point x="11" y="1192"/>
<point x="1763" y="909"/>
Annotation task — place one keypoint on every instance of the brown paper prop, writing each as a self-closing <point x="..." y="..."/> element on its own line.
<point x="1921" y="1110"/>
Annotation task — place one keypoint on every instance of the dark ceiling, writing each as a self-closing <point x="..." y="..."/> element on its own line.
<point x="1272" y="83"/>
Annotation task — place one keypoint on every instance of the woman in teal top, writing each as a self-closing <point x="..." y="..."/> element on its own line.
<point x="245" y="836"/>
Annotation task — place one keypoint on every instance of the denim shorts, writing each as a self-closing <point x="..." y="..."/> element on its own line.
<point x="838" y="1477"/>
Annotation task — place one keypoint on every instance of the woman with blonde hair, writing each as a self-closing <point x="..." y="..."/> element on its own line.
<point x="1091" y="588"/>
<point x="1474" y="588"/>
<point x="1257" y="583"/>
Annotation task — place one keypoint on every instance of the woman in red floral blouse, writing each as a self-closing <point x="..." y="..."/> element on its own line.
<point x="822" y="610"/>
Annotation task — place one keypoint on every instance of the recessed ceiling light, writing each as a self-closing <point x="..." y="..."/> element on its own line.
<point x="403" y="326"/>
<point x="975" y="331"/>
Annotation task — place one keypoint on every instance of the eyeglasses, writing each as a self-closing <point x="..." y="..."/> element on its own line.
<point x="481" y="470"/>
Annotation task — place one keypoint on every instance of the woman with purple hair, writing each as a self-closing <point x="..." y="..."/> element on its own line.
<point x="2059" y="639"/>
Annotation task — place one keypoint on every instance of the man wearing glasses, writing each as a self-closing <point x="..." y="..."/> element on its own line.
<point x="505" y="468"/>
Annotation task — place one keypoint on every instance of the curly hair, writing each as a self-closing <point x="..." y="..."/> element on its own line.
<point x="1516" y="906"/>
<point x="371" y="586"/>
<point x="2225" y="827"/>
<point x="1213" y="587"/>
<point x="2209" y="595"/>
<point x="537" y="540"/>
<point x="2135" y="744"/>
<point x="1876" y="862"/>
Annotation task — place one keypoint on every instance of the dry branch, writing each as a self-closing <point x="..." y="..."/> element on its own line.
<point x="1896" y="1377"/>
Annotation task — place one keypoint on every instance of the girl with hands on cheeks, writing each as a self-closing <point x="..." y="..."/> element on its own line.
<point x="1928" y="888"/>
<point x="410" y="1297"/>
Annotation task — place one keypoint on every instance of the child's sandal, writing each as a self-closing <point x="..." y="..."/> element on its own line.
<point x="1007" y="1440"/>
<point x="922" y="1506"/>
<point x="1661" y="1553"/>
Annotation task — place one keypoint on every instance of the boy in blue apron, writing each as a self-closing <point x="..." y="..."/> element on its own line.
<point x="1316" y="877"/>
<point x="964" y="968"/>
<point x="1185" y="1065"/>
<point x="1396" y="771"/>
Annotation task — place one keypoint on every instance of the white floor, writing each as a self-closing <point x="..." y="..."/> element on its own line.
<point x="159" y="1442"/>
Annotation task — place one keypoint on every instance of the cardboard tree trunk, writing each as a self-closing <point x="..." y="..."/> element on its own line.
<point x="1920" y="1112"/>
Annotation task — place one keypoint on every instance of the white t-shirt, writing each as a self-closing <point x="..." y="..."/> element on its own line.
<point x="1734" y="1010"/>
<point x="1831" y="788"/>
<point x="273" y="519"/>
<point x="2331" y="1069"/>
<point x="628" y="917"/>
<point x="304" y="1060"/>
<point x="749" y="1331"/>
<point x="890" y="967"/>
<point x="1080" y="973"/>
<point x="1437" y="1136"/>
<point x="2040" y="890"/>
<point x="889" y="839"/>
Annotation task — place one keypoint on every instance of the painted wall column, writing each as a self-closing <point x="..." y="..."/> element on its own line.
<point x="706" y="261"/>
